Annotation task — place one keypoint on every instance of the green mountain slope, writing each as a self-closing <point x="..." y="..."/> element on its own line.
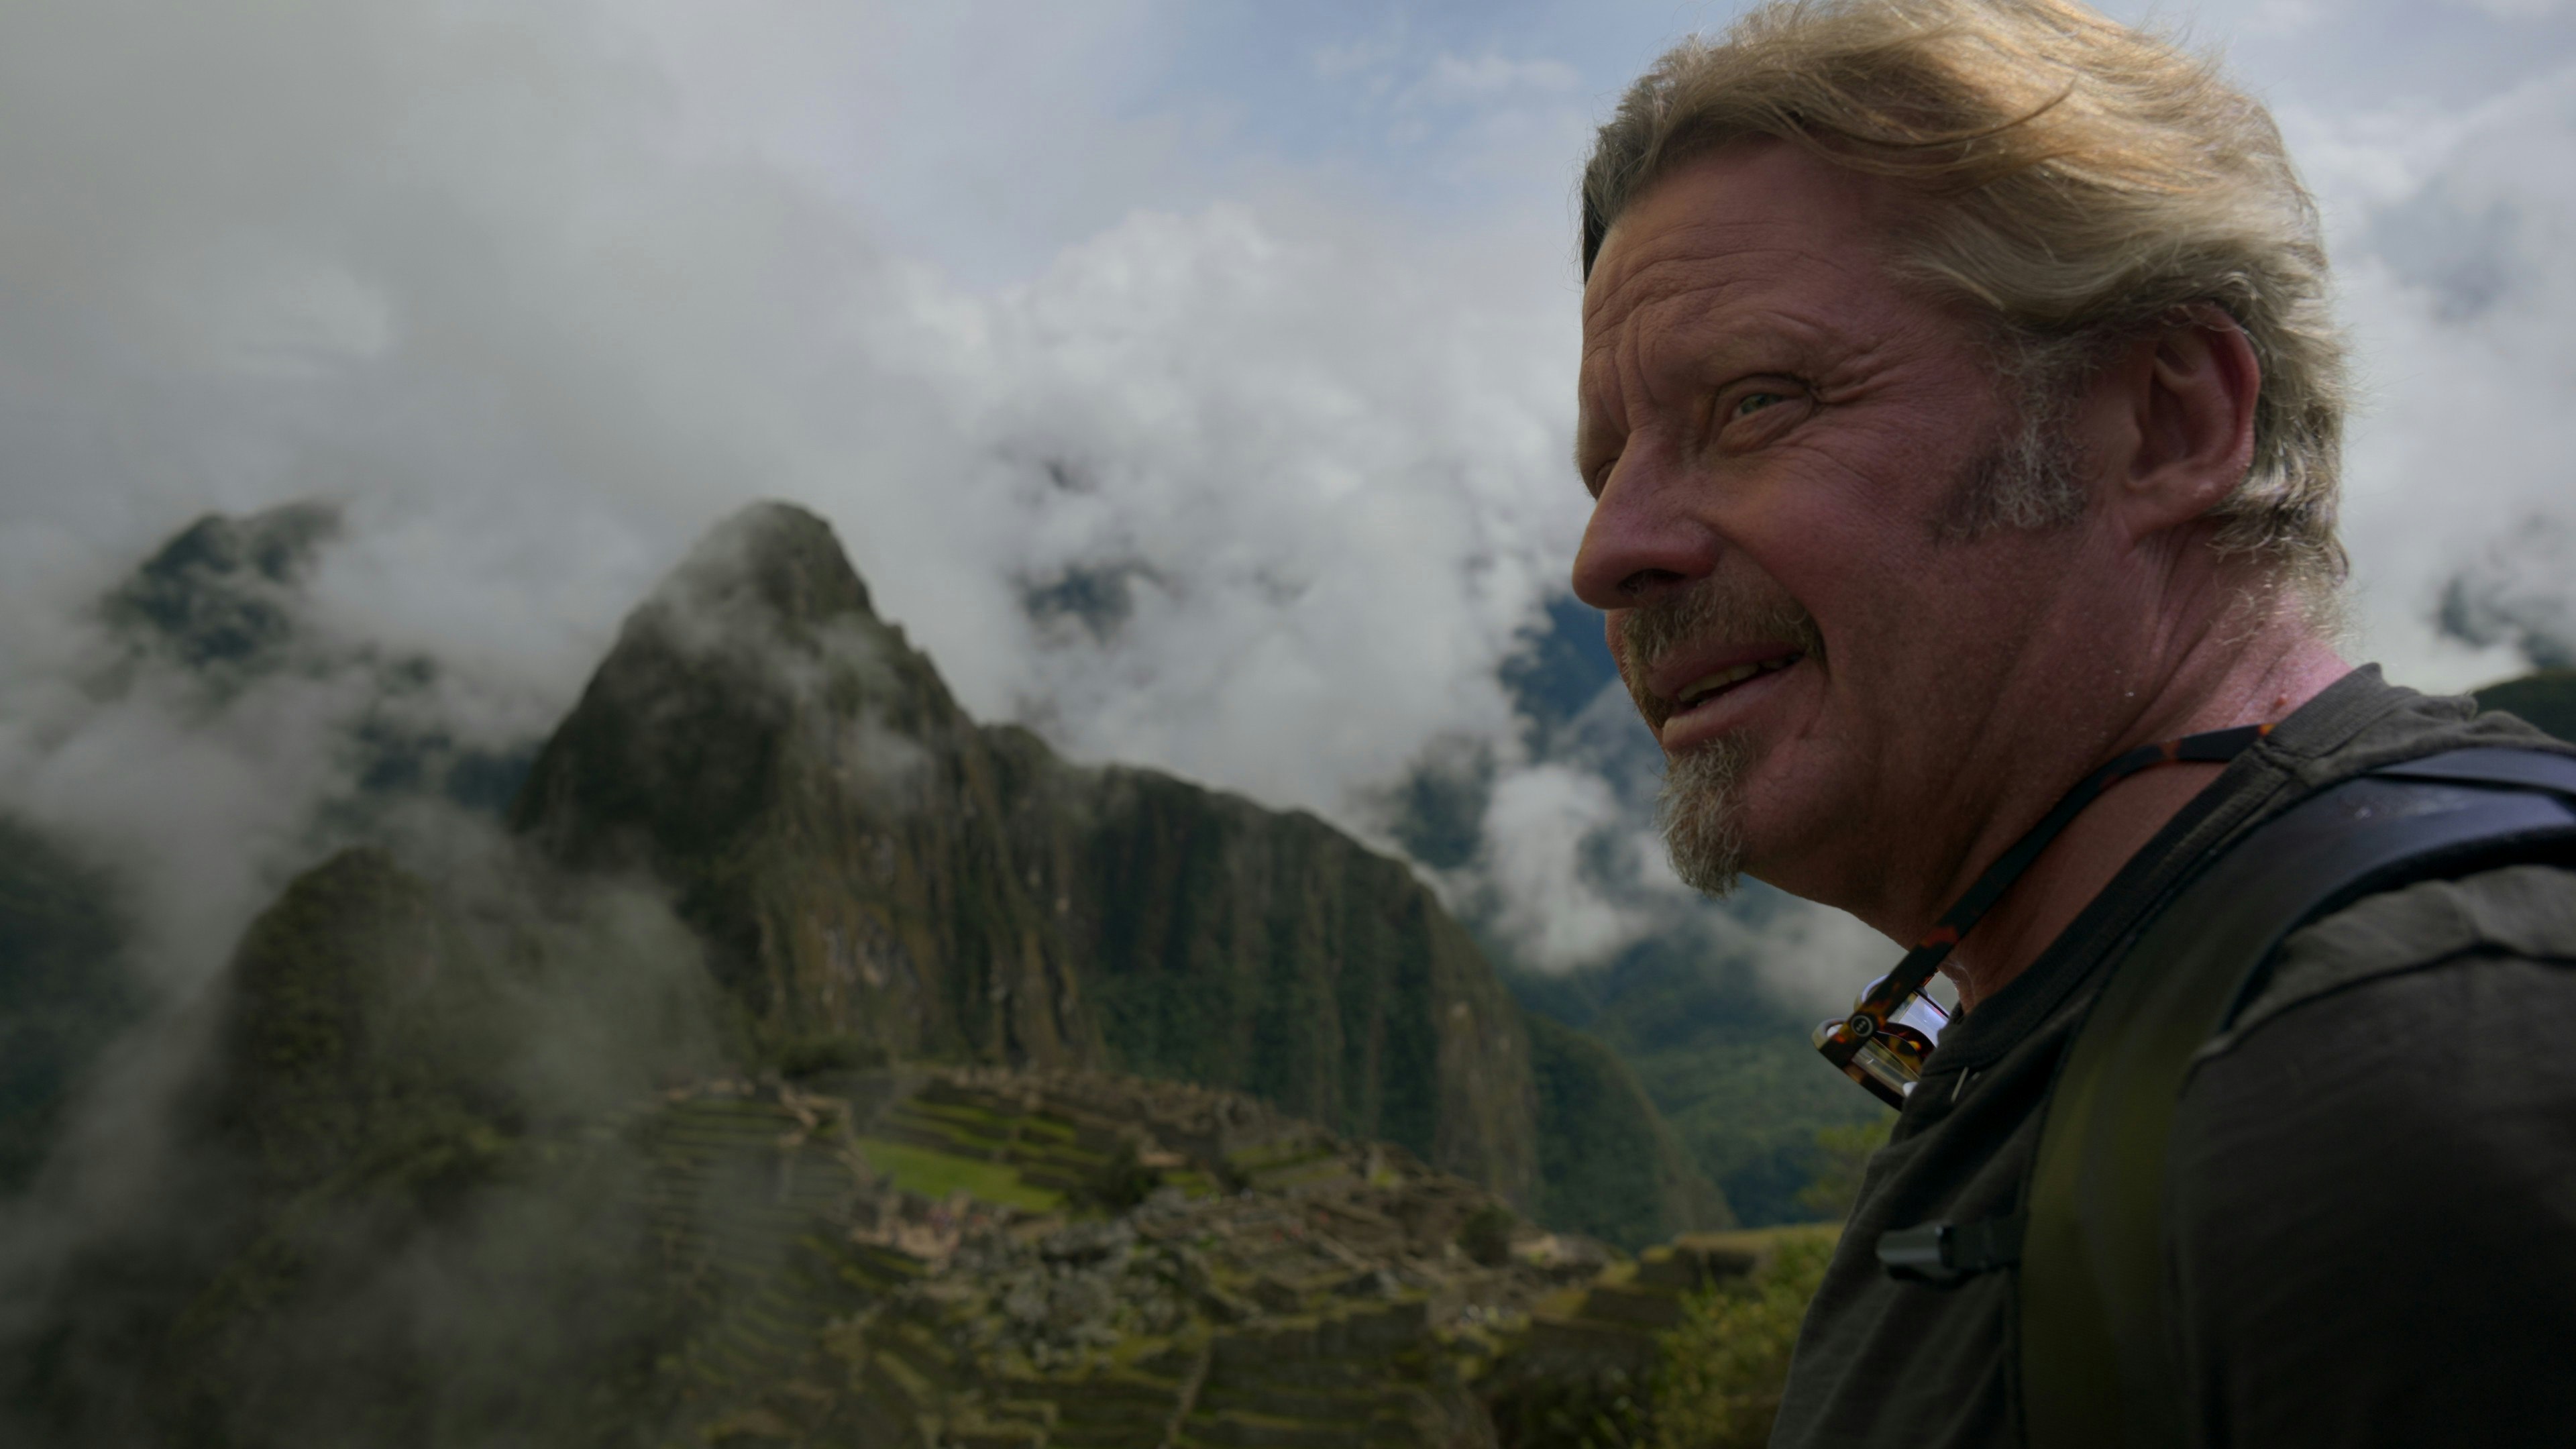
<point x="1609" y="1165"/>
<point x="1725" y="1063"/>
<point x="425" y="1230"/>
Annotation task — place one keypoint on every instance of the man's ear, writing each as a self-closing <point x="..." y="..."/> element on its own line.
<point x="2178" y="420"/>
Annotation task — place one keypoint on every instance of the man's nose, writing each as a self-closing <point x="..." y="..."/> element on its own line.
<point x="1644" y="540"/>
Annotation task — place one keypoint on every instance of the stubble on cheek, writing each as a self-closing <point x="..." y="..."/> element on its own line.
<point x="2027" y="475"/>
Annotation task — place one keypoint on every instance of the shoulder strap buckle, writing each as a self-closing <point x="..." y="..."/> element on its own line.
<point x="1944" y="1253"/>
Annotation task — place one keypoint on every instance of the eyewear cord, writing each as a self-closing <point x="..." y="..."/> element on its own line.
<point x="1876" y="1015"/>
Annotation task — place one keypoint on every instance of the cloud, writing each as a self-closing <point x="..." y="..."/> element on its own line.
<point x="1315" y="483"/>
<point x="2284" y="17"/>
<point x="1359" y="57"/>
<point x="209" y="731"/>
<point x="1541" y="824"/>
<point x="2451" y="250"/>
<point x="1817" y="957"/>
<point x="2518" y="596"/>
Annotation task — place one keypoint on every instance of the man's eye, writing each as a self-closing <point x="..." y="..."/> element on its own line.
<point x="1754" y="402"/>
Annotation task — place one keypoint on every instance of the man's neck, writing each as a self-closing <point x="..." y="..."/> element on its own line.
<point x="2263" y="687"/>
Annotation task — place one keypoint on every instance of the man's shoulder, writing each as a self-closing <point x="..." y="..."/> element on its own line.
<point x="2369" y="1228"/>
<point x="2362" y="722"/>
<point x="2407" y="1014"/>
<point x="2365" y="724"/>
<point x="2526" y="911"/>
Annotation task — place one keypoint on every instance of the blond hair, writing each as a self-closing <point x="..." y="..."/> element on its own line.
<point x="2082" y="182"/>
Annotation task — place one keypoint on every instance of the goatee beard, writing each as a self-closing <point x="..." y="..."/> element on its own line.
<point x="1702" y="810"/>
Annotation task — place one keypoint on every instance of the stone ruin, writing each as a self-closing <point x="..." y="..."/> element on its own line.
<point x="1268" y="1283"/>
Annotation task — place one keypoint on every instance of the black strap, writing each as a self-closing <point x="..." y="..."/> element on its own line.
<point x="2096" y="1361"/>
<point x="2492" y="766"/>
<point x="1870" y="1015"/>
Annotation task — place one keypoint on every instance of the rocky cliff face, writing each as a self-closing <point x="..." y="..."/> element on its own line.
<point x="825" y="814"/>
<point x="873" y="870"/>
<point x="1220" y="942"/>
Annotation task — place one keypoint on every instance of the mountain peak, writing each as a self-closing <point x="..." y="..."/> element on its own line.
<point x="756" y="667"/>
<point x="222" y="592"/>
<point x="776" y="558"/>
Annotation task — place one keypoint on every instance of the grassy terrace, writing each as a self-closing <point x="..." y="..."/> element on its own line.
<point x="975" y="1123"/>
<point x="999" y="1151"/>
<point x="936" y="1174"/>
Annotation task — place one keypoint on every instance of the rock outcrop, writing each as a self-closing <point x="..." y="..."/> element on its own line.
<point x="869" y="866"/>
<point x="1267" y="952"/>
<point x="824" y="813"/>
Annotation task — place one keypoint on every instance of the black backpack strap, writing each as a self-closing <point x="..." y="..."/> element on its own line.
<point x="2511" y="769"/>
<point x="2096" y="1355"/>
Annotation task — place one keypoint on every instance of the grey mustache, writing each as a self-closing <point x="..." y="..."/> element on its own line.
<point x="1713" y="606"/>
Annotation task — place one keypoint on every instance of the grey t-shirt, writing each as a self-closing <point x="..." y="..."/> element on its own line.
<point x="2373" y="1228"/>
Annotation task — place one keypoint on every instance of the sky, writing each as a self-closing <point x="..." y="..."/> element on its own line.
<point x="1192" y="381"/>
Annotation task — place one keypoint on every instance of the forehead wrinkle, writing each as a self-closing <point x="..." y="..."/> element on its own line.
<point x="1747" y="277"/>
<point x="1672" y="265"/>
<point x="1699" y="297"/>
<point x="1707" y="242"/>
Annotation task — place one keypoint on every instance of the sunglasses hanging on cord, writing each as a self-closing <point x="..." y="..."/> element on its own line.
<point x="1894" y="1026"/>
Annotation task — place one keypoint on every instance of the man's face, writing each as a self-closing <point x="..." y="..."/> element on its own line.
<point x="1783" y="439"/>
